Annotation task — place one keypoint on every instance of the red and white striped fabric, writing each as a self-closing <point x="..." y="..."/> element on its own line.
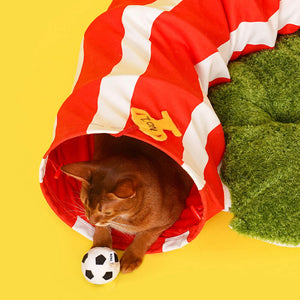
<point x="159" y="57"/>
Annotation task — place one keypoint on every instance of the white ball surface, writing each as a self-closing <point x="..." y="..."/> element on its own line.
<point x="100" y="265"/>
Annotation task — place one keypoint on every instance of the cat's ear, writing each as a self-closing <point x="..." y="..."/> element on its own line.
<point x="125" y="189"/>
<point x="80" y="170"/>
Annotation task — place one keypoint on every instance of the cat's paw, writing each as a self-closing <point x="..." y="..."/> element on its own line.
<point x="130" y="262"/>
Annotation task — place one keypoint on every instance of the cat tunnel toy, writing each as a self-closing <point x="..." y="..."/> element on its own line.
<point x="144" y="71"/>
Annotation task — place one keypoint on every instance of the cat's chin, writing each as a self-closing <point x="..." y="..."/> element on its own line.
<point x="101" y="224"/>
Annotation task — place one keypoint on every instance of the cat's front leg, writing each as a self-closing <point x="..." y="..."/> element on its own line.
<point x="102" y="237"/>
<point x="134" y="254"/>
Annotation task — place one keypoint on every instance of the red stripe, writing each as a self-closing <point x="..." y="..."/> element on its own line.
<point x="238" y="11"/>
<point x="171" y="52"/>
<point x="218" y="81"/>
<point x="288" y="29"/>
<point x="215" y="146"/>
<point x="73" y="118"/>
<point x="102" y="46"/>
<point x="249" y="49"/>
<point x="201" y="35"/>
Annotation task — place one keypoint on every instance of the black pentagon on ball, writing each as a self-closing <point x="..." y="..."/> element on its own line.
<point x="89" y="274"/>
<point x="116" y="257"/>
<point x="108" y="275"/>
<point x="100" y="259"/>
<point x="84" y="258"/>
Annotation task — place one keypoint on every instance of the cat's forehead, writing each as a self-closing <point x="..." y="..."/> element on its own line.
<point x="100" y="187"/>
<point x="107" y="177"/>
<point x="99" y="199"/>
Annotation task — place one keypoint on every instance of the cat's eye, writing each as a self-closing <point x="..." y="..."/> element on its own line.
<point x="107" y="213"/>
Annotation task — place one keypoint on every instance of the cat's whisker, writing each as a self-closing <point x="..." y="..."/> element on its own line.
<point x="76" y="196"/>
<point x="69" y="205"/>
<point x="75" y="209"/>
<point x="76" y="192"/>
<point x="76" y="206"/>
<point x="80" y="210"/>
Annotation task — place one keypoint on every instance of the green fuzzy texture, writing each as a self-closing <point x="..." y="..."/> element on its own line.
<point x="260" y="113"/>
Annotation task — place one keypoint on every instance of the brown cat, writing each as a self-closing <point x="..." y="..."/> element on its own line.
<point x="132" y="187"/>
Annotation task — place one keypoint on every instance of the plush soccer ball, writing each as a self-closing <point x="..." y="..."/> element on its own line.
<point x="100" y="265"/>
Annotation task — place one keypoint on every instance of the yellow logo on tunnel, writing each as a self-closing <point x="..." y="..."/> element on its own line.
<point x="152" y="127"/>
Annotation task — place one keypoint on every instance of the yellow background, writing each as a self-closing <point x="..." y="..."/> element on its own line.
<point x="40" y="255"/>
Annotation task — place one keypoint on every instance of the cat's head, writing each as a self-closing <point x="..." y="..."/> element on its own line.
<point x="108" y="190"/>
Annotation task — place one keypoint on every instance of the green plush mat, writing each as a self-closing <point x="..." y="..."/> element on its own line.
<point x="260" y="113"/>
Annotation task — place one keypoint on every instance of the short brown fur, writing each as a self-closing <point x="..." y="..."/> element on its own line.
<point x="132" y="187"/>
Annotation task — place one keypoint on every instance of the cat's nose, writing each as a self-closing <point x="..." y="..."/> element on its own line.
<point x="95" y="219"/>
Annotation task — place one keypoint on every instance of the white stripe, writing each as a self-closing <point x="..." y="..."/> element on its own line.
<point x="289" y="13"/>
<point x="227" y="196"/>
<point x="42" y="169"/>
<point x="113" y="104"/>
<point x="164" y="5"/>
<point x="211" y="68"/>
<point x="80" y="63"/>
<point x="175" y="242"/>
<point x="84" y="228"/>
<point x="254" y="33"/>
<point x="195" y="157"/>
<point x="136" y="54"/>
